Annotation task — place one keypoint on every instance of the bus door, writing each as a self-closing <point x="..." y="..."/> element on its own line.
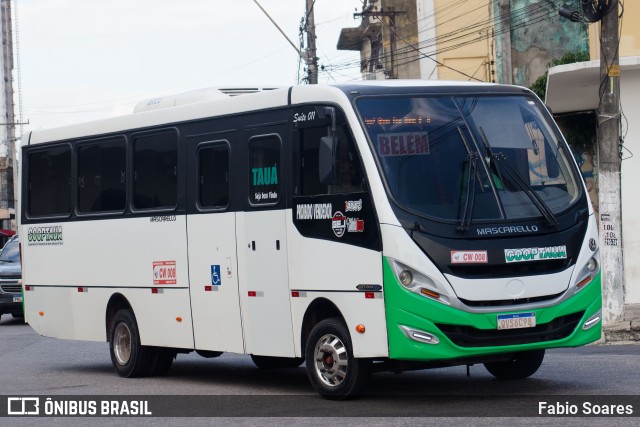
<point x="262" y="247"/>
<point x="211" y="230"/>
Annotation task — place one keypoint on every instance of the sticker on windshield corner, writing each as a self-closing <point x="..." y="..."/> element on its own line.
<point x="355" y="225"/>
<point x="535" y="254"/>
<point x="469" y="257"/>
<point x="339" y="224"/>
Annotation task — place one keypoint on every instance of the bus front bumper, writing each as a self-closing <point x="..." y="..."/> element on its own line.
<point x="422" y="329"/>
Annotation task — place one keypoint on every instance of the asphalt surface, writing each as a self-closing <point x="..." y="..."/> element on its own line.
<point x="230" y="390"/>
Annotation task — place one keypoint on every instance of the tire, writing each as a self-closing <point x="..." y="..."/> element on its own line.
<point x="129" y="358"/>
<point x="161" y="361"/>
<point x="268" y="362"/>
<point x="522" y="365"/>
<point x="333" y="371"/>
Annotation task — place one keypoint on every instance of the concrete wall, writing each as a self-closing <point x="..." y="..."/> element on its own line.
<point x="630" y="40"/>
<point x="473" y="58"/>
<point x="629" y="88"/>
<point x="535" y="41"/>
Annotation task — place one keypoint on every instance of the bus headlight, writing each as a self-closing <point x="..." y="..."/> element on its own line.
<point x="592" y="264"/>
<point x="406" y="278"/>
<point x="588" y="272"/>
<point x="419" y="283"/>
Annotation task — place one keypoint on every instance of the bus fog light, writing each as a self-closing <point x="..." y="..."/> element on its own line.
<point x="406" y="278"/>
<point x="592" y="321"/>
<point x="420" y="336"/>
<point x="592" y="264"/>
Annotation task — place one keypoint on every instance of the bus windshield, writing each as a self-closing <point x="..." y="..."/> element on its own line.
<point x="470" y="158"/>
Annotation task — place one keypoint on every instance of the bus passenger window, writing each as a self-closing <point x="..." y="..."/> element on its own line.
<point x="213" y="172"/>
<point x="101" y="176"/>
<point x="49" y="190"/>
<point x="265" y="175"/>
<point x="155" y="159"/>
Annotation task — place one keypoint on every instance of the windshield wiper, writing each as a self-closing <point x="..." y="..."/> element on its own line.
<point x="500" y="159"/>
<point x="470" y="198"/>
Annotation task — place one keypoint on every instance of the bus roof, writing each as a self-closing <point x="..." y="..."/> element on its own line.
<point x="261" y="100"/>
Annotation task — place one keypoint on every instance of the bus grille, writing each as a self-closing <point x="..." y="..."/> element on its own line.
<point x="11" y="289"/>
<point x="468" y="336"/>
<point x="517" y="301"/>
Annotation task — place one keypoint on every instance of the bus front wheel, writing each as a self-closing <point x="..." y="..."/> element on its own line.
<point x="521" y="365"/>
<point x="333" y="371"/>
<point x="129" y="357"/>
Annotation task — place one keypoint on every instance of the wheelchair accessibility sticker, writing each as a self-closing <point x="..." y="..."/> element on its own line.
<point x="216" y="279"/>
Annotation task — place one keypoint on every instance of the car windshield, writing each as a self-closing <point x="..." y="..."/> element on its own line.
<point x="11" y="252"/>
<point x="470" y="158"/>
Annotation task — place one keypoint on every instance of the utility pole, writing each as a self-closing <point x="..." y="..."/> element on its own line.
<point x="7" y="125"/>
<point x="609" y="162"/>
<point x="312" y="59"/>
<point x="506" y="70"/>
<point x="392" y="37"/>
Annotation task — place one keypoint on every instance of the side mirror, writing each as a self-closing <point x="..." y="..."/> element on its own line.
<point x="329" y="160"/>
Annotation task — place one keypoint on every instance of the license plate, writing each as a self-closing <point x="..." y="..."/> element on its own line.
<point x="17" y="299"/>
<point x="516" y="321"/>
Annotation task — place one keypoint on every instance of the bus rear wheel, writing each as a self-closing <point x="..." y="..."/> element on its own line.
<point x="268" y="362"/>
<point x="521" y="365"/>
<point x="129" y="358"/>
<point x="333" y="371"/>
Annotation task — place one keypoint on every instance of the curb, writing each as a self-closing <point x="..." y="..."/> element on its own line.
<point x="627" y="331"/>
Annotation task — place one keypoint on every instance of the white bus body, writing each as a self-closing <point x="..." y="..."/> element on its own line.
<point x="279" y="256"/>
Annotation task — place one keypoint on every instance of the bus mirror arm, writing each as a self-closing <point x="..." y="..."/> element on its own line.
<point x="331" y="112"/>
<point x="329" y="160"/>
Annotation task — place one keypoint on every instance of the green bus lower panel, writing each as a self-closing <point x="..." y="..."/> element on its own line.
<point x="457" y="330"/>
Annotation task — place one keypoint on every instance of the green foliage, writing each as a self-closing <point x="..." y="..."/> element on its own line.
<point x="539" y="87"/>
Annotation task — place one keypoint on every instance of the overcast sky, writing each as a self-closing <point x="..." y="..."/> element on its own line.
<point x="86" y="59"/>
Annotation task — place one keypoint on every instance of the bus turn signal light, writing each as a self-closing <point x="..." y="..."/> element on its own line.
<point x="584" y="281"/>
<point x="430" y="293"/>
<point x="41" y="313"/>
<point x="360" y="329"/>
<point x="179" y="319"/>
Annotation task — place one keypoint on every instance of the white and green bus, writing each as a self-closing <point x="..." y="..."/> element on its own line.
<point x="358" y="227"/>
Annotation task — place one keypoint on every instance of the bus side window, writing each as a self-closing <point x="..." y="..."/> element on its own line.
<point x="49" y="191"/>
<point x="213" y="172"/>
<point x="155" y="160"/>
<point x="264" y="169"/>
<point x="350" y="169"/>
<point x="101" y="176"/>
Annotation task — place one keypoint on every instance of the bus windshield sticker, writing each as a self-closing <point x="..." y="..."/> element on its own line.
<point x="355" y="225"/>
<point x="535" y="254"/>
<point x="338" y="223"/>
<point x="469" y="257"/>
<point x="353" y="205"/>
<point x="216" y="279"/>
<point x="403" y="144"/>
<point x="164" y="273"/>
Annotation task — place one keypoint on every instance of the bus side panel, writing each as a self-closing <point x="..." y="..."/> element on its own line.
<point x="214" y="282"/>
<point x="119" y="255"/>
<point x="324" y="269"/>
<point x="63" y="312"/>
<point x="263" y="283"/>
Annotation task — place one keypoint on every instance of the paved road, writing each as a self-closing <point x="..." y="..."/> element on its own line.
<point x="33" y="365"/>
